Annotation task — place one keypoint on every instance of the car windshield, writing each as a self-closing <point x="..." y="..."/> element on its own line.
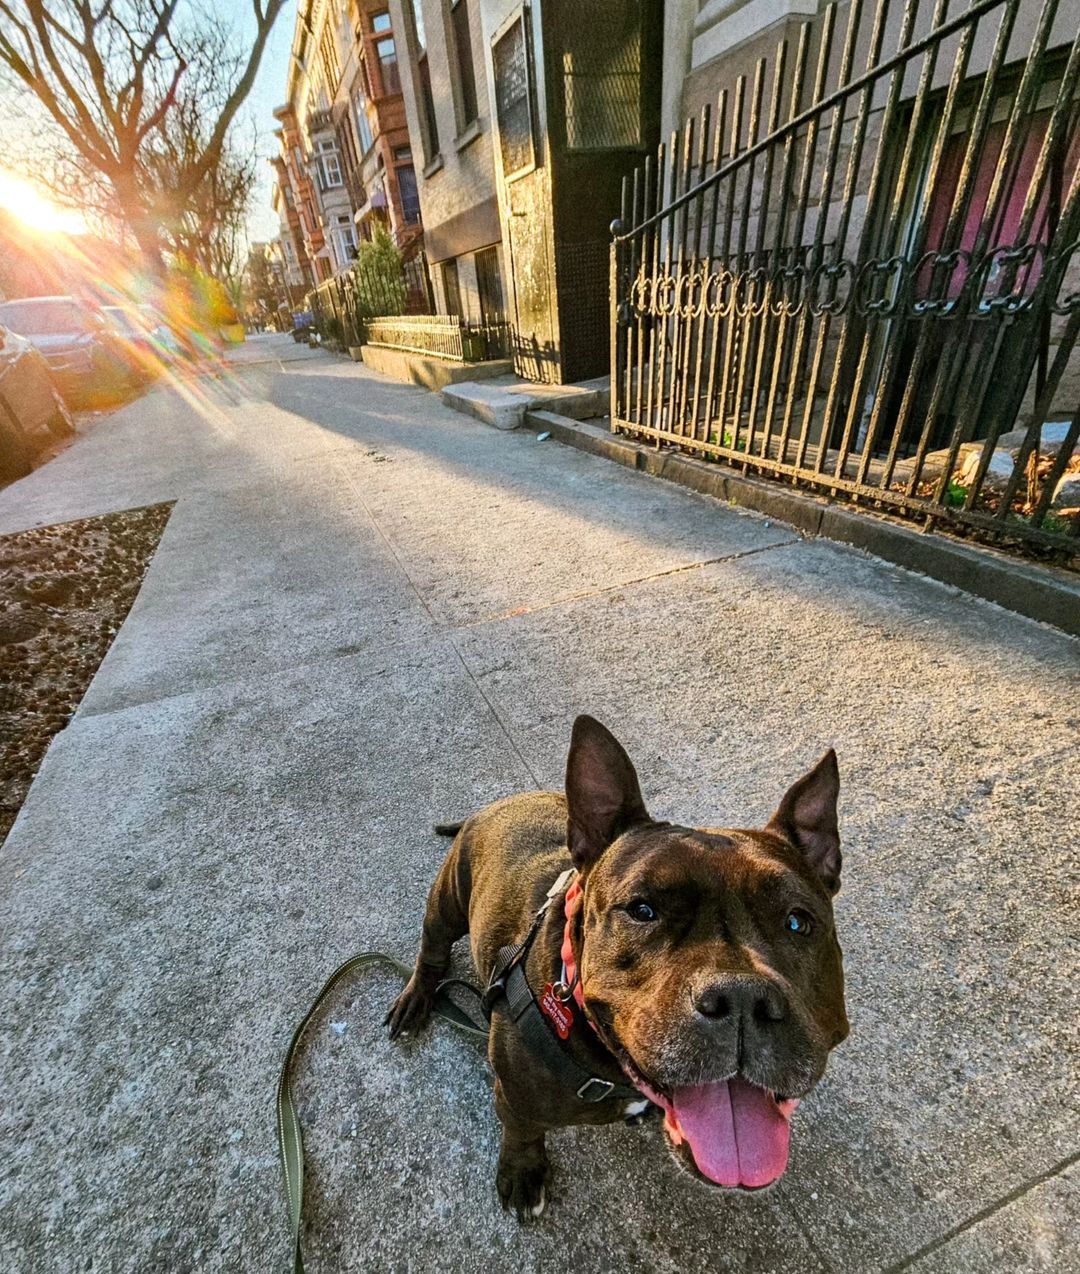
<point x="123" y="320"/>
<point x="44" y="318"/>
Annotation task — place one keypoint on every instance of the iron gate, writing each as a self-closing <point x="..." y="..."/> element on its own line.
<point x="859" y="273"/>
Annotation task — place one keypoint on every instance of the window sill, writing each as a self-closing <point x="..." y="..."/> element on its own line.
<point x="466" y="138"/>
<point x="434" y="166"/>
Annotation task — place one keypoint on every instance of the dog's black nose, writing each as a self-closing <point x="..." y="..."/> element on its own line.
<point x="748" y="998"/>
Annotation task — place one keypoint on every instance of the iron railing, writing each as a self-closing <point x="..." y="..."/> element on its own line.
<point x="441" y="336"/>
<point x="862" y="276"/>
<point x="343" y="305"/>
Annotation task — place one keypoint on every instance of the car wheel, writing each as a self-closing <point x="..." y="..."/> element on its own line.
<point x="16" y="460"/>
<point x="110" y="378"/>
<point x="61" y="423"/>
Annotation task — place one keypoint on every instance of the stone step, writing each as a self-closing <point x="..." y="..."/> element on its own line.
<point x="503" y="402"/>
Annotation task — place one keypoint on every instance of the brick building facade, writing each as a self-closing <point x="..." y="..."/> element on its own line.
<point x="344" y="166"/>
<point x="445" y="90"/>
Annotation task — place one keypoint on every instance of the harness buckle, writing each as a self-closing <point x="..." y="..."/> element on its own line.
<point x="603" y="1088"/>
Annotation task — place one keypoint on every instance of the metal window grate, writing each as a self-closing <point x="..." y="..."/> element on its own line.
<point x="511" y="67"/>
<point x="601" y="70"/>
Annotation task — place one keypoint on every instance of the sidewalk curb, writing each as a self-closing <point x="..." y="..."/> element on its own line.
<point x="1042" y="593"/>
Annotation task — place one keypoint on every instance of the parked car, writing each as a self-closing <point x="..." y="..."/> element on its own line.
<point x="162" y="331"/>
<point x="148" y="339"/>
<point x="32" y="413"/>
<point x="86" y="357"/>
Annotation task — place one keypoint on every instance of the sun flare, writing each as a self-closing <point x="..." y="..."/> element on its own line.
<point x="25" y="201"/>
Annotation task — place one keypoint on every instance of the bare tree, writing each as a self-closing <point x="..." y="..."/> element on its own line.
<point x="202" y="218"/>
<point x="112" y="77"/>
<point x="263" y="286"/>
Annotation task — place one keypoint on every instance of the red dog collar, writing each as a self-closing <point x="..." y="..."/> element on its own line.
<point x="571" y="903"/>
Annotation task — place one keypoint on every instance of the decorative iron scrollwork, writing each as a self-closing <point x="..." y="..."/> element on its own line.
<point x="1056" y="269"/>
<point x="882" y="286"/>
<point x="826" y="281"/>
<point x="1015" y="260"/>
<point x="788" y="288"/>
<point x="1007" y="279"/>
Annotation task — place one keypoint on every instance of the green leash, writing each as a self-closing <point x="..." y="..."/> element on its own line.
<point x="290" y="1136"/>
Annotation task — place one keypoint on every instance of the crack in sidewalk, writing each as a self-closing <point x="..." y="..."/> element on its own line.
<point x="519" y="611"/>
<point x="982" y="1215"/>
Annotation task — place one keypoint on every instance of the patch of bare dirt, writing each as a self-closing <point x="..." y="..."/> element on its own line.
<point x="64" y="592"/>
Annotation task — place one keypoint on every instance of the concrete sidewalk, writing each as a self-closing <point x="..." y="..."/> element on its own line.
<point x="369" y="613"/>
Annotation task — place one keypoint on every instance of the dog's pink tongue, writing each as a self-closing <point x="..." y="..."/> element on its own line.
<point x="738" y="1133"/>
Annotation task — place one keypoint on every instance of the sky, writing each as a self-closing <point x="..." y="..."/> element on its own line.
<point x="35" y="208"/>
<point x="267" y="93"/>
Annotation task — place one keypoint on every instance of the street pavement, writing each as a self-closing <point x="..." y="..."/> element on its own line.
<point x="369" y="613"/>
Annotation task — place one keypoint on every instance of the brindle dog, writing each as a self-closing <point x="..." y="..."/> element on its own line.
<point x="710" y="971"/>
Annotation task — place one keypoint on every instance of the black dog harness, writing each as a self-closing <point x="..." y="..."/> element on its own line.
<point x="508" y="982"/>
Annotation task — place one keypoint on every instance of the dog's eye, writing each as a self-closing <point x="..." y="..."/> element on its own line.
<point x="641" y="911"/>
<point x="798" y="922"/>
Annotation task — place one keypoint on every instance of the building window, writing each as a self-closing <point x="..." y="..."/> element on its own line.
<point x="944" y="230"/>
<point x="344" y="240"/>
<point x="329" y="166"/>
<point x="463" y="56"/>
<point x="601" y="71"/>
<point x="427" y="110"/>
<point x="389" y="73"/>
<point x="418" y="26"/>
<point x="513" y="99"/>
<point x="329" y="54"/>
<point x="489" y="287"/>
<point x="410" y="196"/>
<point x="363" y="121"/>
<point x="451" y="286"/>
<point x="380" y="23"/>
<point x="425" y="101"/>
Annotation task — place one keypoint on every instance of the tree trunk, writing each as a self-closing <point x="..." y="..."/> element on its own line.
<point x="143" y="224"/>
<point x="148" y="237"/>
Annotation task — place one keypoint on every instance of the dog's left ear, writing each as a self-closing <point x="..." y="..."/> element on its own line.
<point x="807" y="818"/>
<point x="602" y="792"/>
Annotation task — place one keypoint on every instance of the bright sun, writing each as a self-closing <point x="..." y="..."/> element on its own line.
<point x="39" y="212"/>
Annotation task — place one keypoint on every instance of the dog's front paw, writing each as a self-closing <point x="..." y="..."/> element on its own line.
<point x="411" y="1011"/>
<point x="521" y="1180"/>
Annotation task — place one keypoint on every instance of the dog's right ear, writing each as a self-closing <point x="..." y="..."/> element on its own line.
<point x="807" y="819"/>
<point x="602" y="792"/>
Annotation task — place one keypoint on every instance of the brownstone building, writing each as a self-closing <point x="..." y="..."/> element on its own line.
<point x="296" y="265"/>
<point x="298" y="192"/>
<point x="374" y="128"/>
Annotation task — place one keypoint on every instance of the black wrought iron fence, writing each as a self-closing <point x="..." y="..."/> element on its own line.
<point x="861" y="275"/>
<point x="342" y="305"/>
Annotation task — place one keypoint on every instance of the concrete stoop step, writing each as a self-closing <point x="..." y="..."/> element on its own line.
<point x="503" y="402"/>
<point x="429" y="371"/>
